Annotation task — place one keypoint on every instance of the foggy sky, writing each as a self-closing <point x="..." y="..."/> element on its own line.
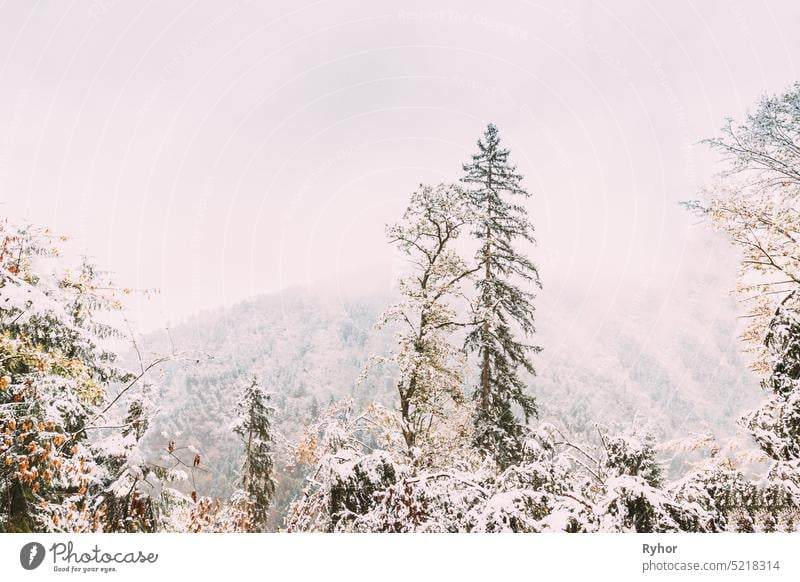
<point x="220" y="150"/>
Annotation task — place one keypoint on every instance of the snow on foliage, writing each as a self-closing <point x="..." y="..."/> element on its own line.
<point x="444" y="439"/>
<point x="71" y="417"/>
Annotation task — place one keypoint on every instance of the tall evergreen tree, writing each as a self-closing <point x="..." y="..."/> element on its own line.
<point x="254" y="426"/>
<point x="504" y="305"/>
<point x="776" y="424"/>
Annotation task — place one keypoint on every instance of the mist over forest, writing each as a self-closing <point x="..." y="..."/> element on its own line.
<point x="345" y="267"/>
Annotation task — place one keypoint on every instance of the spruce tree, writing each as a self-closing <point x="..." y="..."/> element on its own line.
<point x="254" y="426"/>
<point x="775" y="425"/>
<point x="504" y="305"/>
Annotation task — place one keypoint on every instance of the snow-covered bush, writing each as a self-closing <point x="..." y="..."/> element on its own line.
<point x="54" y="375"/>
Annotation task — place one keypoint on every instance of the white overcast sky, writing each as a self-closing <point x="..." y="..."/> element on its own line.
<point x="219" y="150"/>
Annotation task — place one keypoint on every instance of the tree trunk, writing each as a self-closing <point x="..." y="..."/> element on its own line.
<point x="247" y="465"/>
<point x="405" y="411"/>
<point x="486" y="378"/>
<point x="485" y="372"/>
<point x="19" y="519"/>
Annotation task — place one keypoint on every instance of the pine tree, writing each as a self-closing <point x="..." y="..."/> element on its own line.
<point x="775" y="425"/>
<point x="254" y="426"/>
<point x="503" y="307"/>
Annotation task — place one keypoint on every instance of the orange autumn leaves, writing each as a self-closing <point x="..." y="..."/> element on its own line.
<point x="31" y="454"/>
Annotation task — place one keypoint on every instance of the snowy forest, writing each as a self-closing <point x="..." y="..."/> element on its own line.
<point x="434" y="409"/>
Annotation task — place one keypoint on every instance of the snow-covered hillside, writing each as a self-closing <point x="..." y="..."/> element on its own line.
<point x="677" y="374"/>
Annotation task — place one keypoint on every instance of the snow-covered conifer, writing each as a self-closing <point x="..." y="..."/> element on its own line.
<point x="253" y="425"/>
<point x="503" y="308"/>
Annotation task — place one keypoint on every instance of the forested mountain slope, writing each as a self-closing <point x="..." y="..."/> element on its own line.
<point x="677" y="367"/>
